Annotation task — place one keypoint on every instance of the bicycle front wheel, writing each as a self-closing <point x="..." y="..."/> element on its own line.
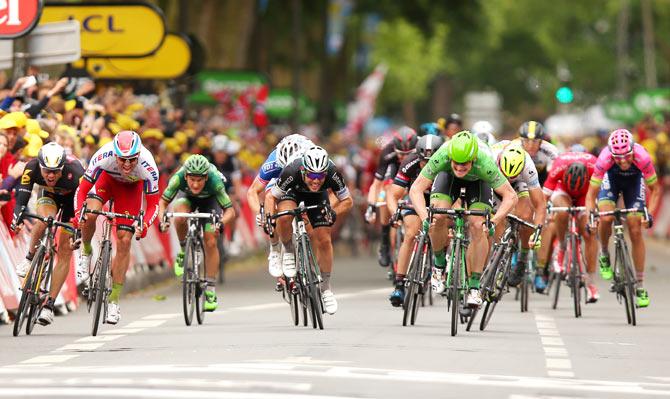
<point x="28" y="291"/>
<point x="455" y="287"/>
<point x="575" y="277"/>
<point x="200" y="282"/>
<point x="100" y="284"/>
<point x="312" y="284"/>
<point x="41" y="289"/>
<point x="189" y="279"/>
<point x="629" y="291"/>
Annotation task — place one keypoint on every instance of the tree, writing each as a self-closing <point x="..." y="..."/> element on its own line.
<point x="413" y="61"/>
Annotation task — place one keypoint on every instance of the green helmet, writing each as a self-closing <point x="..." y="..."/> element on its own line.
<point x="196" y="165"/>
<point x="463" y="147"/>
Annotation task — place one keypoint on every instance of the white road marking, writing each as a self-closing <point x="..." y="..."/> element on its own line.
<point x="124" y="330"/>
<point x="558" y="373"/>
<point x="552" y="341"/>
<point x="100" y="338"/>
<point x="49" y="359"/>
<point x="145" y="323"/>
<point x="80" y="347"/>
<point x="546" y="332"/>
<point x="150" y="393"/>
<point x="165" y="316"/>
<point x="553" y="363"/>
<point x="555" y="351"/>
<point x="556" y="355"/>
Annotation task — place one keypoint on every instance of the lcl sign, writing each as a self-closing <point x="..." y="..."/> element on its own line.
<point x="18" y="17"/>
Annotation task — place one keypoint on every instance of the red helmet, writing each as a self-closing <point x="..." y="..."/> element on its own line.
<point x="127" y="144"/>
<point x="404" y="139"/>
<point x="575" y="178"/>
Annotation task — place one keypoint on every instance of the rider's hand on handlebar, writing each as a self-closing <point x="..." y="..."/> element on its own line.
<point x="259" y="220"/>
<point x="395" y="219"/>
<point x="489" y="228"/>
<point x="16" y="226"/>
<point x="649" y="222"/>
<point x="370" y="214"/>
<point x="164" y="226"/>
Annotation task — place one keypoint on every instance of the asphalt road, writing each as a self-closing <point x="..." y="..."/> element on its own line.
<point x="249" y="349"/>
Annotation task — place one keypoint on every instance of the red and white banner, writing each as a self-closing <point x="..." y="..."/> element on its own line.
<point x="363" y="109"/>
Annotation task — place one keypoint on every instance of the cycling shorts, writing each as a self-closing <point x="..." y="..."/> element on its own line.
<point x="317" y="218"/>
<point x="127" y="197"/>
<point x="632" y="188"/>
<point x="563" y="191"/>
<point x="64" y="203"/>
<point x="478" y="193"/>
<point x="204" y="205"/>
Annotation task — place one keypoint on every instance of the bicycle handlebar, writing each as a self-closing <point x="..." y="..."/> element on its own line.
<point x="459" y="211"/>
<point x="517" y="220"/>
<point x="569" y="209"/>
<point x="296" y="211"/>
<point x="625" y="211"/>
<point x="49" y="220"/>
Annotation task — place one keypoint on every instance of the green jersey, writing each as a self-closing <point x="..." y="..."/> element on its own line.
<point x="214" y="187"/>
<point x="483" y="168"/>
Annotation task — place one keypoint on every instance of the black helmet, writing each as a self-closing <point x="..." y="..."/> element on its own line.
<point x="404" y="139"/>
<point x="532" y="130"/>
<point x="427" y="145"/>
<point x="575" y="178"/>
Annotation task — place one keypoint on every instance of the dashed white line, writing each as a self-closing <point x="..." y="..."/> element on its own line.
<point x="86" y="346"/>
<point x="554" y="363"/>
<point x="99" y="338"/>
<point x="557" y="359"/>
<point x="49" y="359"/>
<point x="146" y="323"/>
<point x="124" y="331"/>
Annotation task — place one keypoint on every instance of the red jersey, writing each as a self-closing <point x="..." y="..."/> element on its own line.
<point x="555" y="179"/>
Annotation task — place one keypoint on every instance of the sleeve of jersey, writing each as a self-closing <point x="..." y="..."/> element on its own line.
<point x="172" y="188"/>
<point x="85" y="186"/>
<point x="381" y="168"/>
<point x="401" y="178"/>
<point x="603" y="164"/>
<point x="532" y="179"/>
<point x="338" y="186"/>
<point x="435" y="164"/>
<point x="552" y="179"/>
<point x="283" y="182"/>
<point x="495" y="178"/>
<point x="268" y="171"/>
<point x="93" y="170"/>
<point x="221" y="195"/>
<point x="151" y="176"/>
<point x="25" y="188"/>
<point x="152" y="208"/>
<point x="646" y="165"/>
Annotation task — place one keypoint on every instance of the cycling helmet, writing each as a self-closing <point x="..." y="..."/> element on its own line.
<point x="51" y="157"/>
<point x="463" y="147"/>
<point x="290" y="147"/>
<point x="315" y="159"/>
<point x="219" y="143"/>
<point x="127" y="144"/>
<point x="483" y="130"/>
<point x="196" y="165"/>
<point x="454" y="118"/>
<point x="512" y="160"/>
<point x="430" y="128"/>
<point x="575" y="178"/>
<point x="427" y="145"/>
<point x="404" y="139"/>
<point x="620" y="142"/>
<point x="532" y="130"/>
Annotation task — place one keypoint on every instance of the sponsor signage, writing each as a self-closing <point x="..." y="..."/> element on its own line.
<point x="18" y="17"/>
<point x="212" y="83"/>
<point x="169" y="62"/>
<point x="112" y="29"/>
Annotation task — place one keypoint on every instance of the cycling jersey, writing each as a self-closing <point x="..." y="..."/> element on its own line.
<point x="543" y="158"/>
<point x="214" y="187"/>
<point x="387" y="159"/>
<point x="408" y="172"/>
<point x="483" y="168"/>
<point x="642" y="163"/>
<point x="555" y="180"/>
<point x="271" y="169"/>
<point x="291" y="179"/>
<point x="528" y="178"/>
<point x="63" y="191"/>
<point x="103" y="175"/>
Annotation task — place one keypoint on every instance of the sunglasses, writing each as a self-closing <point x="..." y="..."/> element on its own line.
<point x="316" y="176"/>
<point x="403" y="153"/>
<point x="128" y="160"/>
<point x="623" y="157"/>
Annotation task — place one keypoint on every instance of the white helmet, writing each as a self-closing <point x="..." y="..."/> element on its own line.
<point x="315" y="159"/>
<point x="51" y="156"/>
<point x="484" y="131"/>
<point x="220" y="143"/>
<point x="291" y="147"/>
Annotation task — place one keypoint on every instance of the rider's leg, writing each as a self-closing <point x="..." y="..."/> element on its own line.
<point x="387" y="231"/>
<point x="274" y="240"/>
<point x="634" y="224"/>
<point x="121" y="261"/>
<point x="88" y="228"/>
<point x="62" y="268"/>
<point x="439" y="231"/>
<point x="284" y="229"/>
<point x="412" y="224"/>
<point x="590" y="246"/>
<point x="323" y="246"/>
<point x="211" y="255"/>
<point x="477" y="249"/>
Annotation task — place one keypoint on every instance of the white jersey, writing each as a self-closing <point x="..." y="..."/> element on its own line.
<point x="545" y="156"/>
<point x="145" y="169"/>
<point x="528" y="178"/>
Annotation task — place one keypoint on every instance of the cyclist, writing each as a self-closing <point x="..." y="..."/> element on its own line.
<point x="532" y="136"/>
<point x="58" y="176"/>
<point x="288" y="148"/>
<point x="402" y="144"/>
<point x="308" y="179"/>
<point x="623" y="168"/>
<point x="519" y="169"/>
<point x="483" y="130"/>
<point x="450" y="126"/>
<point x="468" y="163"/>
<point x="566" y="186"/>
<point x="121" y="170"/>
<point x="200" y="186"/>
<point x="409" y="171"/>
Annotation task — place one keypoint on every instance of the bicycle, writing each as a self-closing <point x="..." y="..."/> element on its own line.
<point x="572" y="270"/>
<point x="418" y="273"/>
<point x="99" y="284"/>
<point x="303" y="290"/>
<point x="498" y="267"/>
<point x="194" y="281"/>
<point x="624" y="280"/>
<point x="35" y="288"/>
<point x="457" y="277"/>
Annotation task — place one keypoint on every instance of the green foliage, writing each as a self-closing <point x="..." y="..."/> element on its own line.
<point x="412" y="59"/>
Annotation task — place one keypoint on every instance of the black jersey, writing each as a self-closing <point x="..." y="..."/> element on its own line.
<point x="65" y="186"/>
<point x="387" y="159"/>
<point x="408" y="172"/>
<point x="291" y="180"/>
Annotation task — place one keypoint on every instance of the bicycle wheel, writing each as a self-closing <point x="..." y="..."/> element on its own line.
<point x="409" y="304"/>
<point x="502" y="258"/>
<point x="313" y="285"/>
<point x="455" y="287"/>
<point x="418" y="281"/>
<point x="189" y="279"/>
<point x="575" y="277"/>
<point x="28" y="291"/>
<point x="100" y="284"/>
<point x="525" y="291"/>
<point x="199" y="282"/>
<point x="40" y="293"/>
<point x="293" y="301"/>
<point x="629" y="291"/>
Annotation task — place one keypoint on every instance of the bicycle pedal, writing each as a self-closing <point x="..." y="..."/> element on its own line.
<point x="279" y="287"/>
